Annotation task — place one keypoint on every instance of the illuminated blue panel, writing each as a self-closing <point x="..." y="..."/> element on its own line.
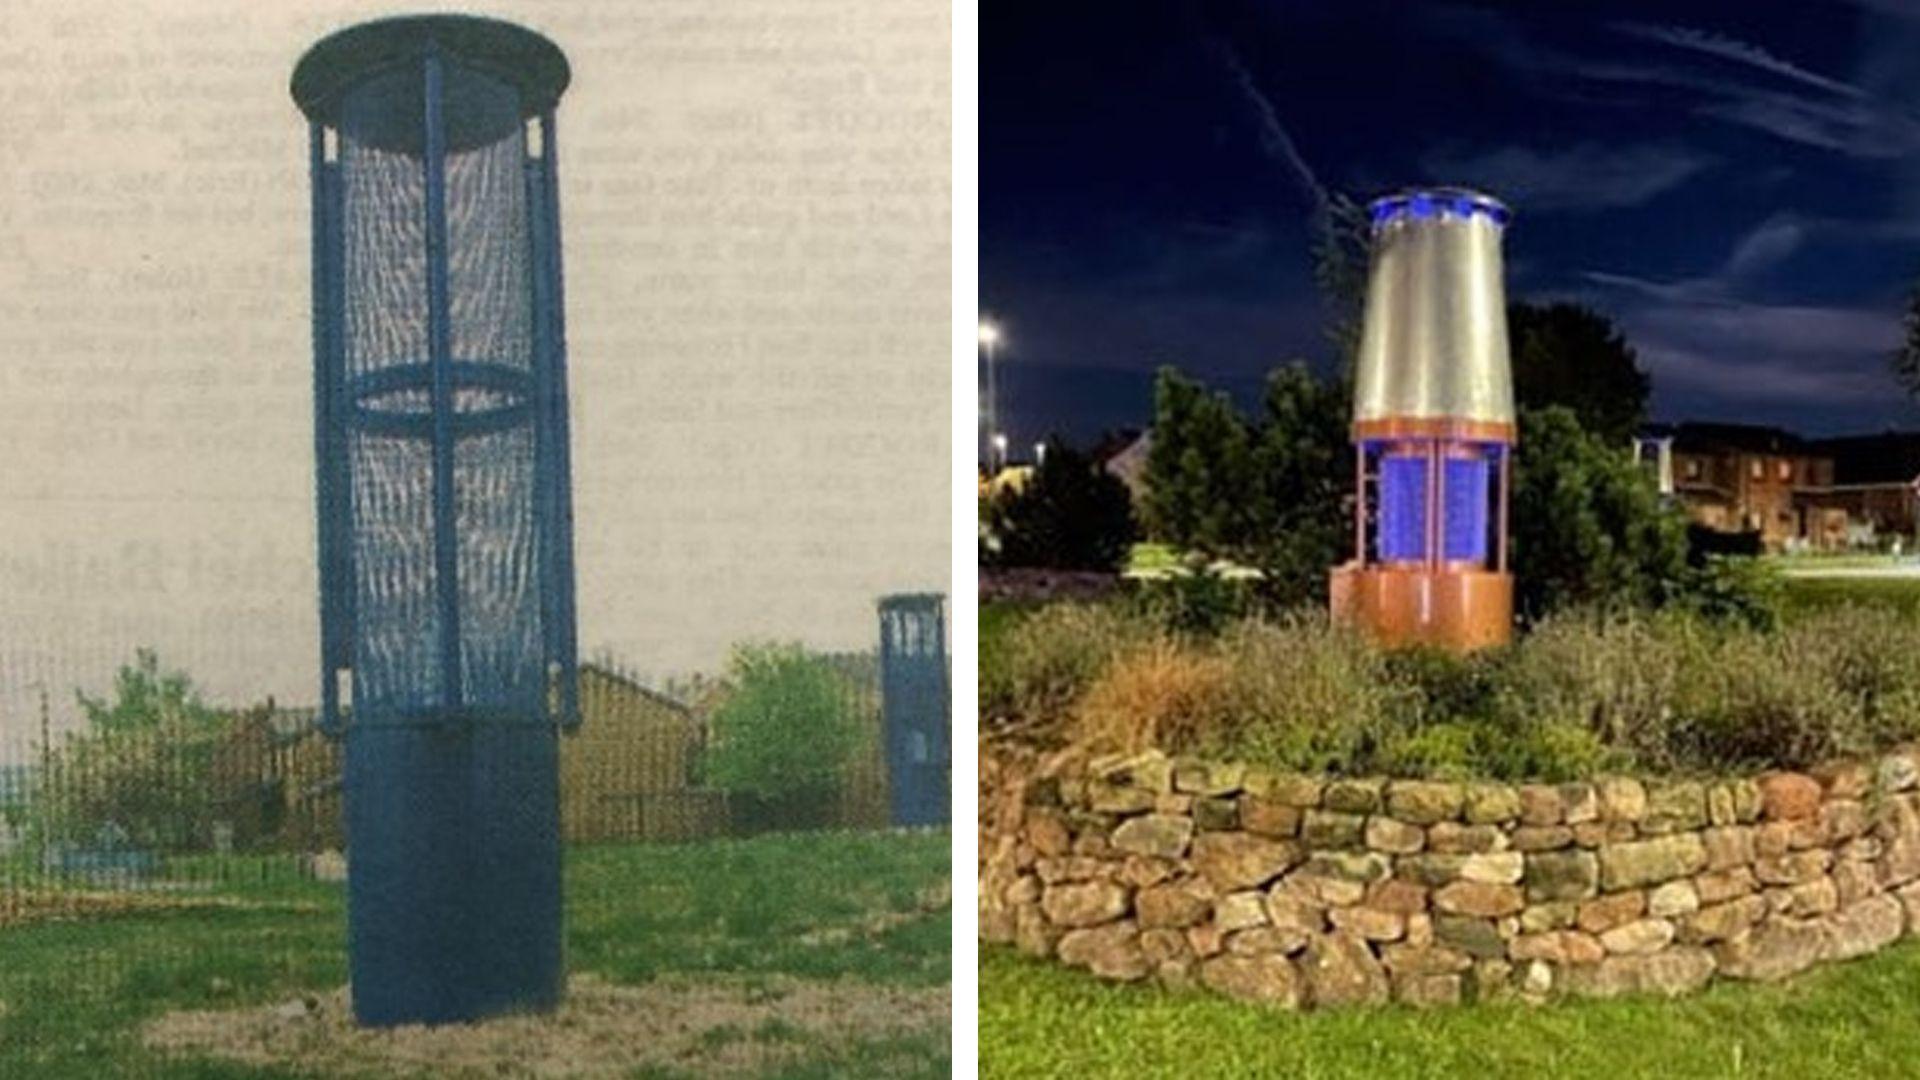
<point x="1403" y="509"/>
<point x="1466" y="519"/>
<point x="1436" y="203"/>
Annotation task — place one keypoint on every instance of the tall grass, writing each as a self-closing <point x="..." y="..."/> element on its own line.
<point x="1658" y="692"/>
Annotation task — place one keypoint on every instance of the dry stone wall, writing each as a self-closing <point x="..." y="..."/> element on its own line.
<point x="1301" y="891"/>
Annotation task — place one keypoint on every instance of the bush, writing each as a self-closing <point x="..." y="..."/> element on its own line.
<point x="1302" y="693"/>
<point x="784" y="728"/>
<point x="1587" y="526"/>
<point x="1155" y="694"/>
<point x="143" y="768"/>
<point x="1050" y="657"/>
<point x="1071" y="514"/>
<point x="1585" y="691"/>
<point x="1615" y="675"/>
<point x="1197" y="600"/>
<point x="1735" y="589"/>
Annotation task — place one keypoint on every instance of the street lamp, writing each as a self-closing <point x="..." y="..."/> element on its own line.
<point x="1039" y="453"/>
<point x="990" y="337"/>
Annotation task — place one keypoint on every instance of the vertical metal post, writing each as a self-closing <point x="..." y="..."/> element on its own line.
<point x="323" y="448"/>
<point x="564" y="639"/>
<point x="446" y="551"/>
<point x="1432" y="522"/>
<point x="1360" y="503"/>
<point x="1506" y="480"/>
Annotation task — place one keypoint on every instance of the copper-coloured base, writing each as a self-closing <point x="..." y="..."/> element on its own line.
<point x="1457" y="610"/>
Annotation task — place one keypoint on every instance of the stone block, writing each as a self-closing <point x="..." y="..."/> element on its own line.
<point x="1562" y="875"/>
<point x="1159" y="835"/>
<point x="1087" y="903"/>
<point x="1650" y="862"/>
<point x="1239" y="860"/>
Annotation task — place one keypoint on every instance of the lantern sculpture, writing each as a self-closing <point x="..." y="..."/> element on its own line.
<point x="1433" y="429"/>
<point x="914" y="707"/>
<point x="445" y="521"/>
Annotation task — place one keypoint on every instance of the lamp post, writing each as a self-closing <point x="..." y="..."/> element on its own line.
<point x="996" y="443"/>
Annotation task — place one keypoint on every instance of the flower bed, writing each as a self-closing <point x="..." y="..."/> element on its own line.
<point x="1297" y="890"/>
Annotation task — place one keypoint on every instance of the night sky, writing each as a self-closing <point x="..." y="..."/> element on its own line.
<point x="1737" y="184"/>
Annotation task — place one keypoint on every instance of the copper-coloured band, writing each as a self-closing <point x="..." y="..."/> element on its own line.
<point x="1435" y="427"/>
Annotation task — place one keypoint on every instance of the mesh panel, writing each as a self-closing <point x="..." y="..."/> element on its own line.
<point x="1467" y="508"/>
<point x="398" y="667"/>
<point x="913" y="681"/>
<point x="1403" y="508"/>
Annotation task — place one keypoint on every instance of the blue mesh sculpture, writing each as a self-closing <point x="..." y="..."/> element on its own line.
<point x="914" y="707"/>
<point x="443" y="492"/>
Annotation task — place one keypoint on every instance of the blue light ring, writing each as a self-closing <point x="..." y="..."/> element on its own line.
<point x="1439" y="203"/>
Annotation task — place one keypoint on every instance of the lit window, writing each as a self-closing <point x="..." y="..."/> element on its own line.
<point x="1784" y="469"/>
<point x="1693" y="468"/>
<point x="1757" y="469"/>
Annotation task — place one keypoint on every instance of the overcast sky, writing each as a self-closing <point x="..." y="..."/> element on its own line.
<point x="756" y="210"/>
<point x="1737" y="184"/>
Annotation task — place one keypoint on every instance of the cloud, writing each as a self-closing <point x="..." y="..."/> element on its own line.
<point x="1585" y="177"/>
<point x="1740" y="52"/>
<point x="1767" y="246"/>
<point x="1815" y="110"/>
<point x="1696" y="335"/>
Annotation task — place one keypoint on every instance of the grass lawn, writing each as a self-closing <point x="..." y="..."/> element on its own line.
<point x="1812" y="593"/>
<point x="862" y="907"/>
<point x="1846" y="1020"/>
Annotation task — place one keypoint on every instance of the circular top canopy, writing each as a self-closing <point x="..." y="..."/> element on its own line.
<point x="1438" y="202"/>
<point x="532" y="65"/>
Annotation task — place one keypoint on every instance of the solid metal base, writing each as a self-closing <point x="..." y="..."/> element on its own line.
<point x="453" y="896"/>
<point x="1456" y="610"/>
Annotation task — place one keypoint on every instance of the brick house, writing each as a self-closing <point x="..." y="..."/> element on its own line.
<point x="1795" y="493"/>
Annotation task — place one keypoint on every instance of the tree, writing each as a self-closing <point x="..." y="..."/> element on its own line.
<point x="784" y="731"/>
<point x="142" y="769"/>
<point x="1071" y="514"/>
<point x="146" y="698"/>
<point x="1586" y="523"/>
<point x="1342" y="256"/>
<point x="1905" y="361"/>
<point x="1572" y="356"/>
<point x="1303" y="470"/>
<point x="1200" y="467"/>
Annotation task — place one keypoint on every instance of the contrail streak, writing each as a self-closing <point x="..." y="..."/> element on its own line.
<point x="1273" y="135"/>
<point x="1740" y="52"/>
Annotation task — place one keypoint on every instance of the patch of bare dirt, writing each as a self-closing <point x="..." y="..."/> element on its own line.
<point x="600" y="1030"/>
<point x="20" y="907"/>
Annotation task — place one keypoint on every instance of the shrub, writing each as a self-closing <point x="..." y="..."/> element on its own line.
<point x="1050" y="657"/>
<point x="142" y="769"/>
<point x="1869" y="656"/>
<point x="1757" y="703"/>
<point x="1197" y="600"/>
<point x="785" y="727"/>
<point x="1071" y="514"/>
<point x="1156" y="694"/>
<point x="1587" y="525"/>
<point x="1734" y="589"/>
<point x="1614" y="675"/>
<point x="1303" y="694"/>
<point x="1588" y="690"/>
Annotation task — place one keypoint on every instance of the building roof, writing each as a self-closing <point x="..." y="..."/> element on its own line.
<point x="1709" y="437"/>
<point x="1890" y="457"/>
<point x="628" y="682"/>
